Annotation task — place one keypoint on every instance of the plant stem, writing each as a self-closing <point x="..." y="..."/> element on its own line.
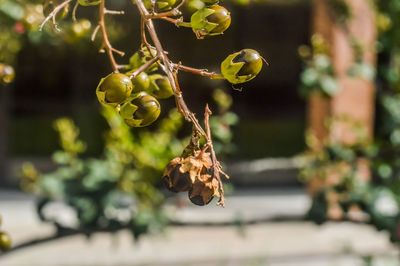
<point x="201" y="72"/>
<point x="144" y="67"/>
<point x="170" y="70"/>
<point x="216" y="165"/>
<point x="53" y="14"/>
<point x="106" y="42"/>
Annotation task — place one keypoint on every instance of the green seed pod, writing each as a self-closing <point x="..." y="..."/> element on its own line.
<point x="7" y="73"/>
<point x="141" y="82"/>
<point x="89" y="2"/>
<point x="241" y="66"/>
<point x="142" y="56"/>
<point x="210" y="2"/>
<point x="212" y="20"/>
<point x="160" y="86"/>
<point x="140" y="110"/>
<point x="192" y="6"/>
<point x="114" y="89"/>
<point x="161" y="5"/>
<point x="5" y="241"/>
<point x="49" y="5"/>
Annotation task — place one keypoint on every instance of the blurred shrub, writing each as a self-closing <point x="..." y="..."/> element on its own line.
<point x="335" y="175"/>
<point x="113" y="192"/>
<point x="318" y="75"/>
<point x="119" y="190"/>
<point x="332" y="170"/>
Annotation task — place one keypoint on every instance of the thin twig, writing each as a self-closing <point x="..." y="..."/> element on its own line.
<point x="53" y="14"/>
<point x="174" y="12"/>
<point x="106" y="42"/>
<point x="144" y="67"/>
<point x="177" y="22"/>
<point x="201" y="72"/>
<point x="114" y="12"/>
<point x="216" y="164"/>
<point x="74" y="11"/>
<point x="93" y="37"/>
<point x="160" y="51"/>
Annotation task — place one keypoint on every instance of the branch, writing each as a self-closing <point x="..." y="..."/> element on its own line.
<point x="106" y="42"/>
<point x="114" y="12"/>
<point x="216" y="165"/>
<point x="53" y="14"/>
<point x="167" y="65"/>
<point x="144" y="67"/>
<point x="170" y="70"/>
<point x="201" y="72"/>
<point x="74" y="11"/>
<point x="174" y="12"/>
<point x="176" y="21"/>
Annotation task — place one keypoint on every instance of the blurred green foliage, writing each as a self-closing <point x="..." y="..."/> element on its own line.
<point x="113" y="192"/>
<point x="318" y="75"/>
<point x="118" y="190"/>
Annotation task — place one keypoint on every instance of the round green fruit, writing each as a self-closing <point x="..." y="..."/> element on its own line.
<point x="191" y="6"/>
<point x="160" y="5"/>
<point x="160" y="87"/>
<point x="212" y="20"/>
<point x="141" y="110"/>
<point x="141" y="82"/>
<point x="141" y="57"/>
<point x="5" y="241"/>
<point x="242" y="66"/>
<point x="114" y="89"/>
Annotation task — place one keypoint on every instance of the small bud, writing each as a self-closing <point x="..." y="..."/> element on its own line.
<point x="141" y="57"/>
<point x="114" y="89"/>
<point x="160" y="5"/>
<point x="212" y="20"/>
<point x="89" y="2"/>
<point x="140" y="110"/>
<point x="160" y="86"/>
<point x="242" y="66"/>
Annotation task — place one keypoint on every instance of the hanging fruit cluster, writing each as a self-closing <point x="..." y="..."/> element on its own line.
<point x="5" y="240"/>
<point x="151" y="76"/>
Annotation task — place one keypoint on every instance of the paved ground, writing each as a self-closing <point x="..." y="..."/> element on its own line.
<point x="290" y="243"/>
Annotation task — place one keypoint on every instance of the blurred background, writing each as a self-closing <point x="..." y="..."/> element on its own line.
<point x="310" y="143"/>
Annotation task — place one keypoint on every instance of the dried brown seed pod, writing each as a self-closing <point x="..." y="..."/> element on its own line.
<point x="204" y="190"/>
<point x="174" y="179"/>
<point x="196" y="165"/>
